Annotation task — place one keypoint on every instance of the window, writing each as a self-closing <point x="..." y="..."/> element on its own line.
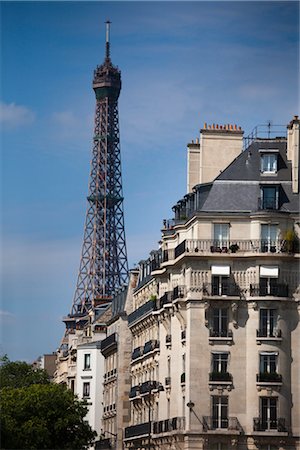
<point x="219" y="362"/>
<point x="220" y="285"/>
<point x="219" y="411"/>
<point x="221" y="235"/>
<point x="268" y="362"/>
<point x="267" y="322"/>
<point x="86" y="390"/>
<point x="268" y="163"/>
<point x="268" y="286"/>
<point x="268" y="413"/>
<point x="219" y="322"/>
<point x="269" y="197"/>
<point x="269" y="237"/>
<point x="87" y="361"/>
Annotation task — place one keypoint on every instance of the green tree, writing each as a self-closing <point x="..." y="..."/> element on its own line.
<point x="16" y="374"/>
<point x="43" y="416"/>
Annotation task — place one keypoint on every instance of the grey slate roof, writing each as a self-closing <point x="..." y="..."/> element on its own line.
<point x="238" y="187"/>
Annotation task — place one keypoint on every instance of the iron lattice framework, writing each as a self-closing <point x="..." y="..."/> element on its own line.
<point x="103" y="265"/>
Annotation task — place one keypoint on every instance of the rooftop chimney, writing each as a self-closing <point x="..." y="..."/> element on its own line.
<point x="219" y="145"/>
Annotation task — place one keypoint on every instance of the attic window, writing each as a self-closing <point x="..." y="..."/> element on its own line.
<point x="268" y="163"/>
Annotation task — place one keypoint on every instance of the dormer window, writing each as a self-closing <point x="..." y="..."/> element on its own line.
<point x="268" y="162"/>
<point x="269" y="197"/>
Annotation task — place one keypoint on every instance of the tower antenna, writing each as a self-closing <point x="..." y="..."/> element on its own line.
<point x="107" y="44"/>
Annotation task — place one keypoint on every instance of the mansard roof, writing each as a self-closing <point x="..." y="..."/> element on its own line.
<point x="238" y="188"/>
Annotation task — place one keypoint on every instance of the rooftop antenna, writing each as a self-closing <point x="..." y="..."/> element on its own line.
<point x="269" y="124"/>
<point x="107" y="45"/>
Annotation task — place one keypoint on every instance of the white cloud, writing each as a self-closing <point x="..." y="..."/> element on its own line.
<point x="13" y="116"/>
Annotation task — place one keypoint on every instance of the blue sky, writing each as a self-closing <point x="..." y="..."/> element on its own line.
<point x="182" y="63"/>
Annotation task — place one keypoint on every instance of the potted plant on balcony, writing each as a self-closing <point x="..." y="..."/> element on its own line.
<point x="291" y="241"/>
<point x="234" y="248"/>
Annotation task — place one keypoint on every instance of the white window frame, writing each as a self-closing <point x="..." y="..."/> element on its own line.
<point x="87" y="361"/>
<point x="86" y="389"/>
<point x="269" y="163"/>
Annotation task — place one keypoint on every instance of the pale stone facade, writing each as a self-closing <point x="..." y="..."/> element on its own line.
<point x="215" y="327"/>
<point x="116" y="350"/>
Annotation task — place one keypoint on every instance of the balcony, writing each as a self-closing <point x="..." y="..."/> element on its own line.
<point x="198" y="246"/>
<point x="137" y="353"/>
<point x="166" y="299"/>
<point x="148" y="386"/>
<point x="134" y="392"/>
<point x="182" y="378"/>
<point x="231" y="424"/>
<point x="183" y="335"/>
<point x="168" y="381"/>
<point x="220" y="376"/>
<point x="269" y="378"/>
<point x="276" y="290"/>
<point x="268" y="425"/>
<point x="220" y="336"/>
<point x="151" y="345"/>
<point x="142" y="311"/>
<point x="268" y="335"/>
<point x="168" y="339"/>
<point x="138" y="430"/>
<point x="223" y="290"/>
<point x="109" y="345"/>
<point x="178" y="292"/>
<point x="169" y="425"/>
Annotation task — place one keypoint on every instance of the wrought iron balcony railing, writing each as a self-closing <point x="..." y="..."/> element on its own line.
<point x="148" y="386"/>
<point x="134" y="392"/>
<point x="214" y="333"/>
<point x="268" y="377"/>
<point x="166" y="299"/>
<point x="225" y="288"/>
<point x="137" y="352"/>
<point x="150" y="346"/>
<point x="228" y="423"/>
<point x="260" y="424"/>
<point x="220" y="376"/>
<point x="138" y="430"/>
<point x="275" y="333"/>
<point x="109" y="344"/>
<point x="168" y="381"/>
<point x="142" y="311"/>
<point x="165" y="426"/>
<point x="267" y="203"/>
<point x="276" y="290"/>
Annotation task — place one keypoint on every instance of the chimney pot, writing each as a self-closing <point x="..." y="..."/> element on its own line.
<point x="205" y="125"/>
<point x="217" y="126"/>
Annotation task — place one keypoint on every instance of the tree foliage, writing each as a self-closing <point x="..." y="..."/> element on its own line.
<point x="36" y="414"/>
<point x="16" y="374"/>
<point x="43" y="417"/>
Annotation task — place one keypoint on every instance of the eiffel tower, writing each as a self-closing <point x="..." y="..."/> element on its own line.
<point x="103" y="265"/>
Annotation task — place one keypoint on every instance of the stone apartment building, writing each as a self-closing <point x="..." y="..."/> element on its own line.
<point x="80" y="363"/>
<point x="214" y="322"/>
